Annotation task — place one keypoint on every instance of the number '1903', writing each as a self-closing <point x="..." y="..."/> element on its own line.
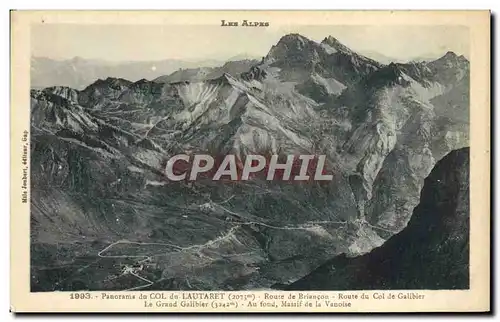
<point x="80" y="296"/>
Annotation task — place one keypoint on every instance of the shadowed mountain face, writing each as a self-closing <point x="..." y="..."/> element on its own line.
<point x="102" y="208"/>
<point x="432" y="252"/>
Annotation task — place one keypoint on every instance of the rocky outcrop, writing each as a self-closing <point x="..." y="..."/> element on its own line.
<point x="298" y="59"/>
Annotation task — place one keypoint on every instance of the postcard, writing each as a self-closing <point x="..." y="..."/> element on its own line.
<point x="250" y="161"/>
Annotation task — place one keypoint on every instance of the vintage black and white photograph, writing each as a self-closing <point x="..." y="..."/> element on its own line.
<point x="385" y="108"/>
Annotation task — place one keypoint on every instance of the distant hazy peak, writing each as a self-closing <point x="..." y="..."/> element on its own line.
<point x="77" y="59"/>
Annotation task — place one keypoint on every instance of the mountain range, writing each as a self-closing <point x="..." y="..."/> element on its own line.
<point x="101" y="207"/>
<point x="78" y="72"/>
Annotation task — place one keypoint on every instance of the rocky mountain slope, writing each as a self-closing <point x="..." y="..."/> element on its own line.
<point x="100" y="199"/>
<point x="436" y="236"/>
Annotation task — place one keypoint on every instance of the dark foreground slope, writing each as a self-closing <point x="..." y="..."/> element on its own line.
<point x="431" y="253"/>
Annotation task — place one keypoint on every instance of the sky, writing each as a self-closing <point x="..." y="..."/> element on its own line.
<point x="195" y="42"/>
